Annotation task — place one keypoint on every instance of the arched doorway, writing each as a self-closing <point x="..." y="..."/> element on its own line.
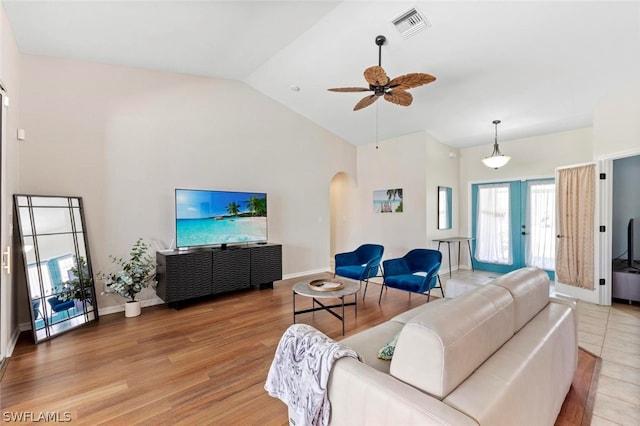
<point x="342" y="206"/>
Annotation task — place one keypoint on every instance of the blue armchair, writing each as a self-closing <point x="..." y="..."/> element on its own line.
<point x="415" y="272"/>
<point x="58" y="305"/>
<point x="361" y="264"/>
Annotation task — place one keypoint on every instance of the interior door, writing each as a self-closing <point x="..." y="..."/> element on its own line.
<point x="4" y="279"/>
<point x="575" y="265"/>
<point x="513" y="225"/>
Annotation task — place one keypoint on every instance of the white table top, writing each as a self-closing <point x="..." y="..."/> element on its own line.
<point x="302" y="288"/>
<point x="453" y="239"/>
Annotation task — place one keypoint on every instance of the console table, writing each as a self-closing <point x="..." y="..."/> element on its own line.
<point x="625" y="282"/>
<point x="188" y="274"/>
<point x="456" y="240"/>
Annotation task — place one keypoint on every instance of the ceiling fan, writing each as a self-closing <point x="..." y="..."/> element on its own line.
<point x="394" y="91"/>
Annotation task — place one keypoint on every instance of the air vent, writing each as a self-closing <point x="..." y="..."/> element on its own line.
<point x="410" y="23"/>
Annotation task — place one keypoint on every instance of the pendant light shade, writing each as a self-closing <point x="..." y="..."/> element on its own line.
<point x="496" y="159"/>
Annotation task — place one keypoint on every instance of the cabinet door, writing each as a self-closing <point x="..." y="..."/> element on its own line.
<point x="266" y="264"/>
<point x="187" y="275"/>
<point x="231" y="270"/>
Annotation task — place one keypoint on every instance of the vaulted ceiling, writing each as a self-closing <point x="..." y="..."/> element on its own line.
<point x="540" y="67"/>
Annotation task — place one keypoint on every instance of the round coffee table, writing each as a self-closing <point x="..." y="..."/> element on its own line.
<point x="302" y="289"/>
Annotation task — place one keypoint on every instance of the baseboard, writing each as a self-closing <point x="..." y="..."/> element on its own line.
<point x="13" y="341"/>
<point x="311" y="272"/>
<point x="120" y="308"/>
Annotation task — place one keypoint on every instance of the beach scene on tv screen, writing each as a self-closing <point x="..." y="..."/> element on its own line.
<point x="217" y="217"/>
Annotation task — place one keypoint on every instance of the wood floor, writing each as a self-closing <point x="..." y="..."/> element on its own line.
<point x="204" y="364"/>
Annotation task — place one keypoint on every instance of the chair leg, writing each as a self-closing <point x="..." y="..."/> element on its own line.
<point x="428" y="295"/>
<point x="366" y="284"/>
<point x="382" y="287"/>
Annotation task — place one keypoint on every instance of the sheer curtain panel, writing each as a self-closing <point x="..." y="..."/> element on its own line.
<point x="540" y="249"/>
<point x="493" y="233"/>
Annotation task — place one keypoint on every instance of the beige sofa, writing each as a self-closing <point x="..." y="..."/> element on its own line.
<point x="504" y="354"/>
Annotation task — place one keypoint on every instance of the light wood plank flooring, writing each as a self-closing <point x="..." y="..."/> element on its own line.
<point x="204" y="364"/>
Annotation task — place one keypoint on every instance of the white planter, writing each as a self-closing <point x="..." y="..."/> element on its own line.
<point x="132" y="309"/>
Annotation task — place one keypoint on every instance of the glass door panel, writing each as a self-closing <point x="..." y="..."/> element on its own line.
<point x="514" y="225"/>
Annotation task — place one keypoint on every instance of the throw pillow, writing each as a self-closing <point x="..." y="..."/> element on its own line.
<point x="386" y="352"/>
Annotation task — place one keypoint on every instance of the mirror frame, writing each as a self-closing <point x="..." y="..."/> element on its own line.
<point x="77" y="292"/>
<point x="445" y="207"/>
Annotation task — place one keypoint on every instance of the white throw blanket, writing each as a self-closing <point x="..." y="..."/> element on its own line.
<point x="300" y="371"/>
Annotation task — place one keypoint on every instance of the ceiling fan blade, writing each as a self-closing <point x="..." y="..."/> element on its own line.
<point x="408" y="81"/>
<point x="365" y="102"/>
<point x="399" y="97"/>
<point x="349" y="89"/>
<point x="376" y="76"/>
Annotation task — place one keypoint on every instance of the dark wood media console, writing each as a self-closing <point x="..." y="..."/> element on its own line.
<point x="188" y="274"/>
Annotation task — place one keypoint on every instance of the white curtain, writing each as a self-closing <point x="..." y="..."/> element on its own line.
<point x="493" y="230"/>
<point x="540" y="247"/>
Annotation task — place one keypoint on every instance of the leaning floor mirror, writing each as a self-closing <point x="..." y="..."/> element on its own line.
<point x="57" y="265"/>
<point x="444" y="207"/>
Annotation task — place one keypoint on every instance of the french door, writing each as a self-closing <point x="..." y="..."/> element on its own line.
<point x="513" y="225"/>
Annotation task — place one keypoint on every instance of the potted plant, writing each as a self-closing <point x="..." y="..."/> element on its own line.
<point x="137" y="273"/>
<point x="77" y="287"/>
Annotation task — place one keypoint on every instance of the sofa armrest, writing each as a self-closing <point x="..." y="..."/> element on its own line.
<point x="361" y="395"/>
<point x="572" y="303"/>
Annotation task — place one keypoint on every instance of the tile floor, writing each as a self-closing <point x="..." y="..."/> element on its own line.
<point x="613" y="333"/>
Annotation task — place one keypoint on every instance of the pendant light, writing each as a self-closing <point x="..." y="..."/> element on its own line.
<point x="496" y="159"/>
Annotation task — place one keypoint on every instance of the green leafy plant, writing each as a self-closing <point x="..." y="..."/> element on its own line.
<point x="137" y="273"/>
<point x="79" y="283"/>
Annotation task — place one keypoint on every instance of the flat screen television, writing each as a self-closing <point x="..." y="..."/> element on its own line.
<point x="208" y="218"/>
<point x="630" y="241"/>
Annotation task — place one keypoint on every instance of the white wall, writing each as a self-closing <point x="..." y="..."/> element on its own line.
<point x="418" y="164"/>
<point x="616" y="123"/>
<point x="125" y="138"/>
<point x="10" y="76"/>
<point x="397" y="163"/>
<point x="616" y="136"/>
<point x="442" y="169"/>
<point x="535" y="157"/>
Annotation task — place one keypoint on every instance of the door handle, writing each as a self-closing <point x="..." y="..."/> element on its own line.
<point x="6" y="260"/>
<point x="559" y="236"/>
<point x="524" y="233"/>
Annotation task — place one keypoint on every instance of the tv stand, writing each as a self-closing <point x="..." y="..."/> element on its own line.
<point x="625" y="282"/>
<point x="189" y="274"/>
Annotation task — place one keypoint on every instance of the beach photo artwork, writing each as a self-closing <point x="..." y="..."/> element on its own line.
<point x="387" y="201"/>
<point x="219" y="217"/>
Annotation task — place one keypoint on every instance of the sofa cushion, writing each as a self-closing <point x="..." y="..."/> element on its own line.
<point x="440" y="347"/>
<point x="386" y="352"/>
<point x="407" y="315"/>
<point x="368" y="342"/>
<point x="407" y="282"/>
<point x="526" y="381"/>
<point x="529" y="288"/>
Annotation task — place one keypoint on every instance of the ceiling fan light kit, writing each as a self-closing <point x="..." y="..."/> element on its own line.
<point x="497" y="159"/>
<point x="392" y="90"/>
